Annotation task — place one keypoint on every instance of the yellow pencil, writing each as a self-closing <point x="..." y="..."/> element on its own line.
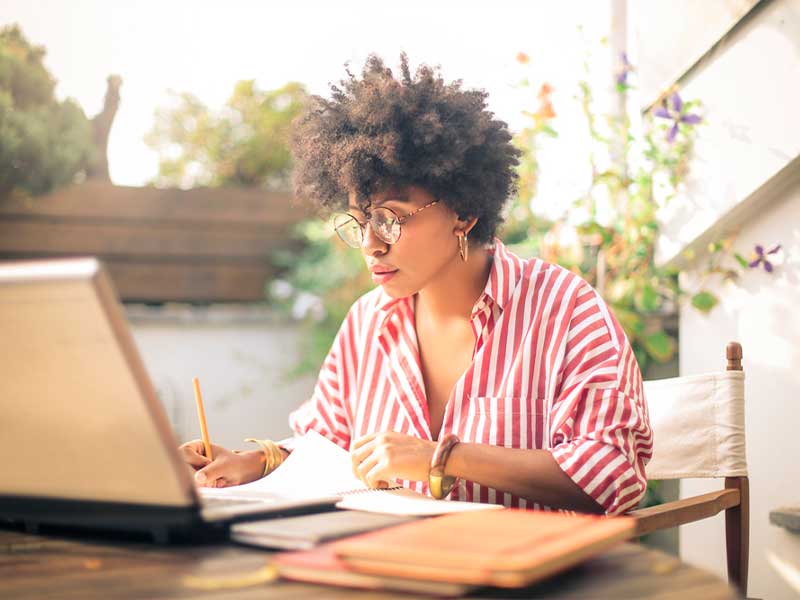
<point x="201" y="414"/>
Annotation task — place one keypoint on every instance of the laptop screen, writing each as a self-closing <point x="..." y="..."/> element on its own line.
<point x="79" y="417"/>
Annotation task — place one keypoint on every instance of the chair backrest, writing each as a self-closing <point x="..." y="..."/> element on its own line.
<point x="698" y="426"/>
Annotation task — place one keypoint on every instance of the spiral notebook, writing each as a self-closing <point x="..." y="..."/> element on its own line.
<point x="317" y="467"/>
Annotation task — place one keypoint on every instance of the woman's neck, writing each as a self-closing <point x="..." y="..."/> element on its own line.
<point x="455" y="289"/>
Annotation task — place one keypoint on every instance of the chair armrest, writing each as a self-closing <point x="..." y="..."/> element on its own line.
<point x="687" y="510"/>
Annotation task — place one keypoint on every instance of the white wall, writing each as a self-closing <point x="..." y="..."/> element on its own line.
<point x="668" y="36"/>
<point x="241" y="356"/>
<point x="763" y="313"/>
<point x="750" y="90"/>
<point x="744" y="179"/>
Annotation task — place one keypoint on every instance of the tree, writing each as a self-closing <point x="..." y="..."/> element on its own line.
<point x="43" y="143"/>
<point x="245" y="144"/>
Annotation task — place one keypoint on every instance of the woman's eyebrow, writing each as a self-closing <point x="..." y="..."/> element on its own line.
<point x="394" y="198"/>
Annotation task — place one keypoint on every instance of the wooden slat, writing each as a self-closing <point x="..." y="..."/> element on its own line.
<point x="200" y="245"/>
<point x="220" y="205"/>
<point x="153" y="282"/>
<point x="680" y="512"/>
<point x="22" y="238"/>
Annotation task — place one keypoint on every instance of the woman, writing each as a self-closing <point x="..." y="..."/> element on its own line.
<point x="517" y="367"/>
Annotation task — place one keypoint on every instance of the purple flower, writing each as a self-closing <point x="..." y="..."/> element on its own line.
<point x="676" y="115"/>
<point x="622" y="75"/>
<point x="761" y="257"/>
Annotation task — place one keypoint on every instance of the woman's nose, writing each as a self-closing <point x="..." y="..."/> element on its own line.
<point x="371" y="244"/>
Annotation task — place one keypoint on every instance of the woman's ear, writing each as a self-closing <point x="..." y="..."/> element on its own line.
<point x="464" y="226"/>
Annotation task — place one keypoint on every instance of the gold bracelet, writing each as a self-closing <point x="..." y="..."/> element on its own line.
<point x="272" y="454"/>
<point x="441" y="485"/>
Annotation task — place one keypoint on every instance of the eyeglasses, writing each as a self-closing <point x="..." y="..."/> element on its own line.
<point x="384" y="222"/>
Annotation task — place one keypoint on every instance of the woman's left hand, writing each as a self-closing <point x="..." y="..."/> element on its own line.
<point x="379" y="458"/>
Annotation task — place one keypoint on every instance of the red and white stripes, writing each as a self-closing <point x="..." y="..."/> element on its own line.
<point x="552" y="369"/>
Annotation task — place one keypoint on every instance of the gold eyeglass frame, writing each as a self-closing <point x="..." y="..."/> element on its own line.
<point x="401" y="219"/>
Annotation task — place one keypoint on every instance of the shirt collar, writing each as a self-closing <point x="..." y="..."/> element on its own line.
<point x="503" y="278"/>
<point x="504" y="275"/>
<point x="386" y="303"/>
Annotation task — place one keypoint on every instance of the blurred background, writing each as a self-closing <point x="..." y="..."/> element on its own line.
<point x="661" y="161"/>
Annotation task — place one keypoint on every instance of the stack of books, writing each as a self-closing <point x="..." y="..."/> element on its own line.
<point x="451" y="554"/>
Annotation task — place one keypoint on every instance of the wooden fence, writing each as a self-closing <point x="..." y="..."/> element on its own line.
<point x="200" y="245"/>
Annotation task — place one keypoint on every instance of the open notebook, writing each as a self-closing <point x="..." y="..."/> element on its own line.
<point x="319" y="468"/>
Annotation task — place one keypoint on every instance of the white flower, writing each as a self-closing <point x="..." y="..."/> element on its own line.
<point x="318" y="311"/>
<point x="307" y="304"/>
<point x="281" y="289"/>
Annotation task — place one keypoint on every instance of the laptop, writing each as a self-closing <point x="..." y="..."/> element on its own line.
<point x="84" y="439"/>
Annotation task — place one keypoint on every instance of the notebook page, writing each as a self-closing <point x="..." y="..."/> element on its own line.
<point x="315" y="468"/>
<point x="406" y="502"/>
<point x="318" y="468"/>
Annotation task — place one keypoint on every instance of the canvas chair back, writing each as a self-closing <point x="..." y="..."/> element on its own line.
<point x="698" y="426"/>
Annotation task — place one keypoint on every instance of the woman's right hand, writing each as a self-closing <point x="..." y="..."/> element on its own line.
<point x="228" y="468"/>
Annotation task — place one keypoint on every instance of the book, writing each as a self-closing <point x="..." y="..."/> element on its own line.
<point x="506" y="548"/>
<point x="307" y="531"/>
<point x="322" y="566"/>
<point x="318" y="468"/>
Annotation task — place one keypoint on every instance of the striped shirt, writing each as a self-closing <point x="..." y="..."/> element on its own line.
<point x="551" y="369"/>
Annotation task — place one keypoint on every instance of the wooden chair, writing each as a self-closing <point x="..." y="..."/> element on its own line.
<point x="698" y="428"/>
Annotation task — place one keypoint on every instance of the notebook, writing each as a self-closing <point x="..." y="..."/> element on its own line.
<point x="506" y="548"/>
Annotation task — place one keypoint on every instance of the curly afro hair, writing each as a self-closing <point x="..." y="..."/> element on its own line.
<point x="378" y="131"/>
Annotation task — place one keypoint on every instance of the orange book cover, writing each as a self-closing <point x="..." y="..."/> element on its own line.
<point x="321" y="565"/>
<point x="507" y="548"/>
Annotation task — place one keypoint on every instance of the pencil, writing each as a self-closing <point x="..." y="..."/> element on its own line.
<point x="201" y="415"/>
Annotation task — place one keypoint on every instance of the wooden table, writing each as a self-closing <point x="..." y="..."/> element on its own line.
<point x="73" y="568"/>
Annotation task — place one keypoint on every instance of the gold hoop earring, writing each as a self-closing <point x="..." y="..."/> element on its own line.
<point x="463" y="247"/>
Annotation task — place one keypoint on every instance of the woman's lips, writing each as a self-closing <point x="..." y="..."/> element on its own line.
<point x="381" y="277"/>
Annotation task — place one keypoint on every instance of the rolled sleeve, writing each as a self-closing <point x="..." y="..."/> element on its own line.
<point x="607" y="462"/>
<point x="600" y="431"/>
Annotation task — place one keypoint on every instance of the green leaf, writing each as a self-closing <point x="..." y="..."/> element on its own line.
<point x="630" y="321"/>
<point x="704" y="301"/>
<point x="546" y="129"/>
<point x="741" y="260"/>
<point x="641" y="357"/>
<point x="660" y="346"/>
<point x="646" y="299"/>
